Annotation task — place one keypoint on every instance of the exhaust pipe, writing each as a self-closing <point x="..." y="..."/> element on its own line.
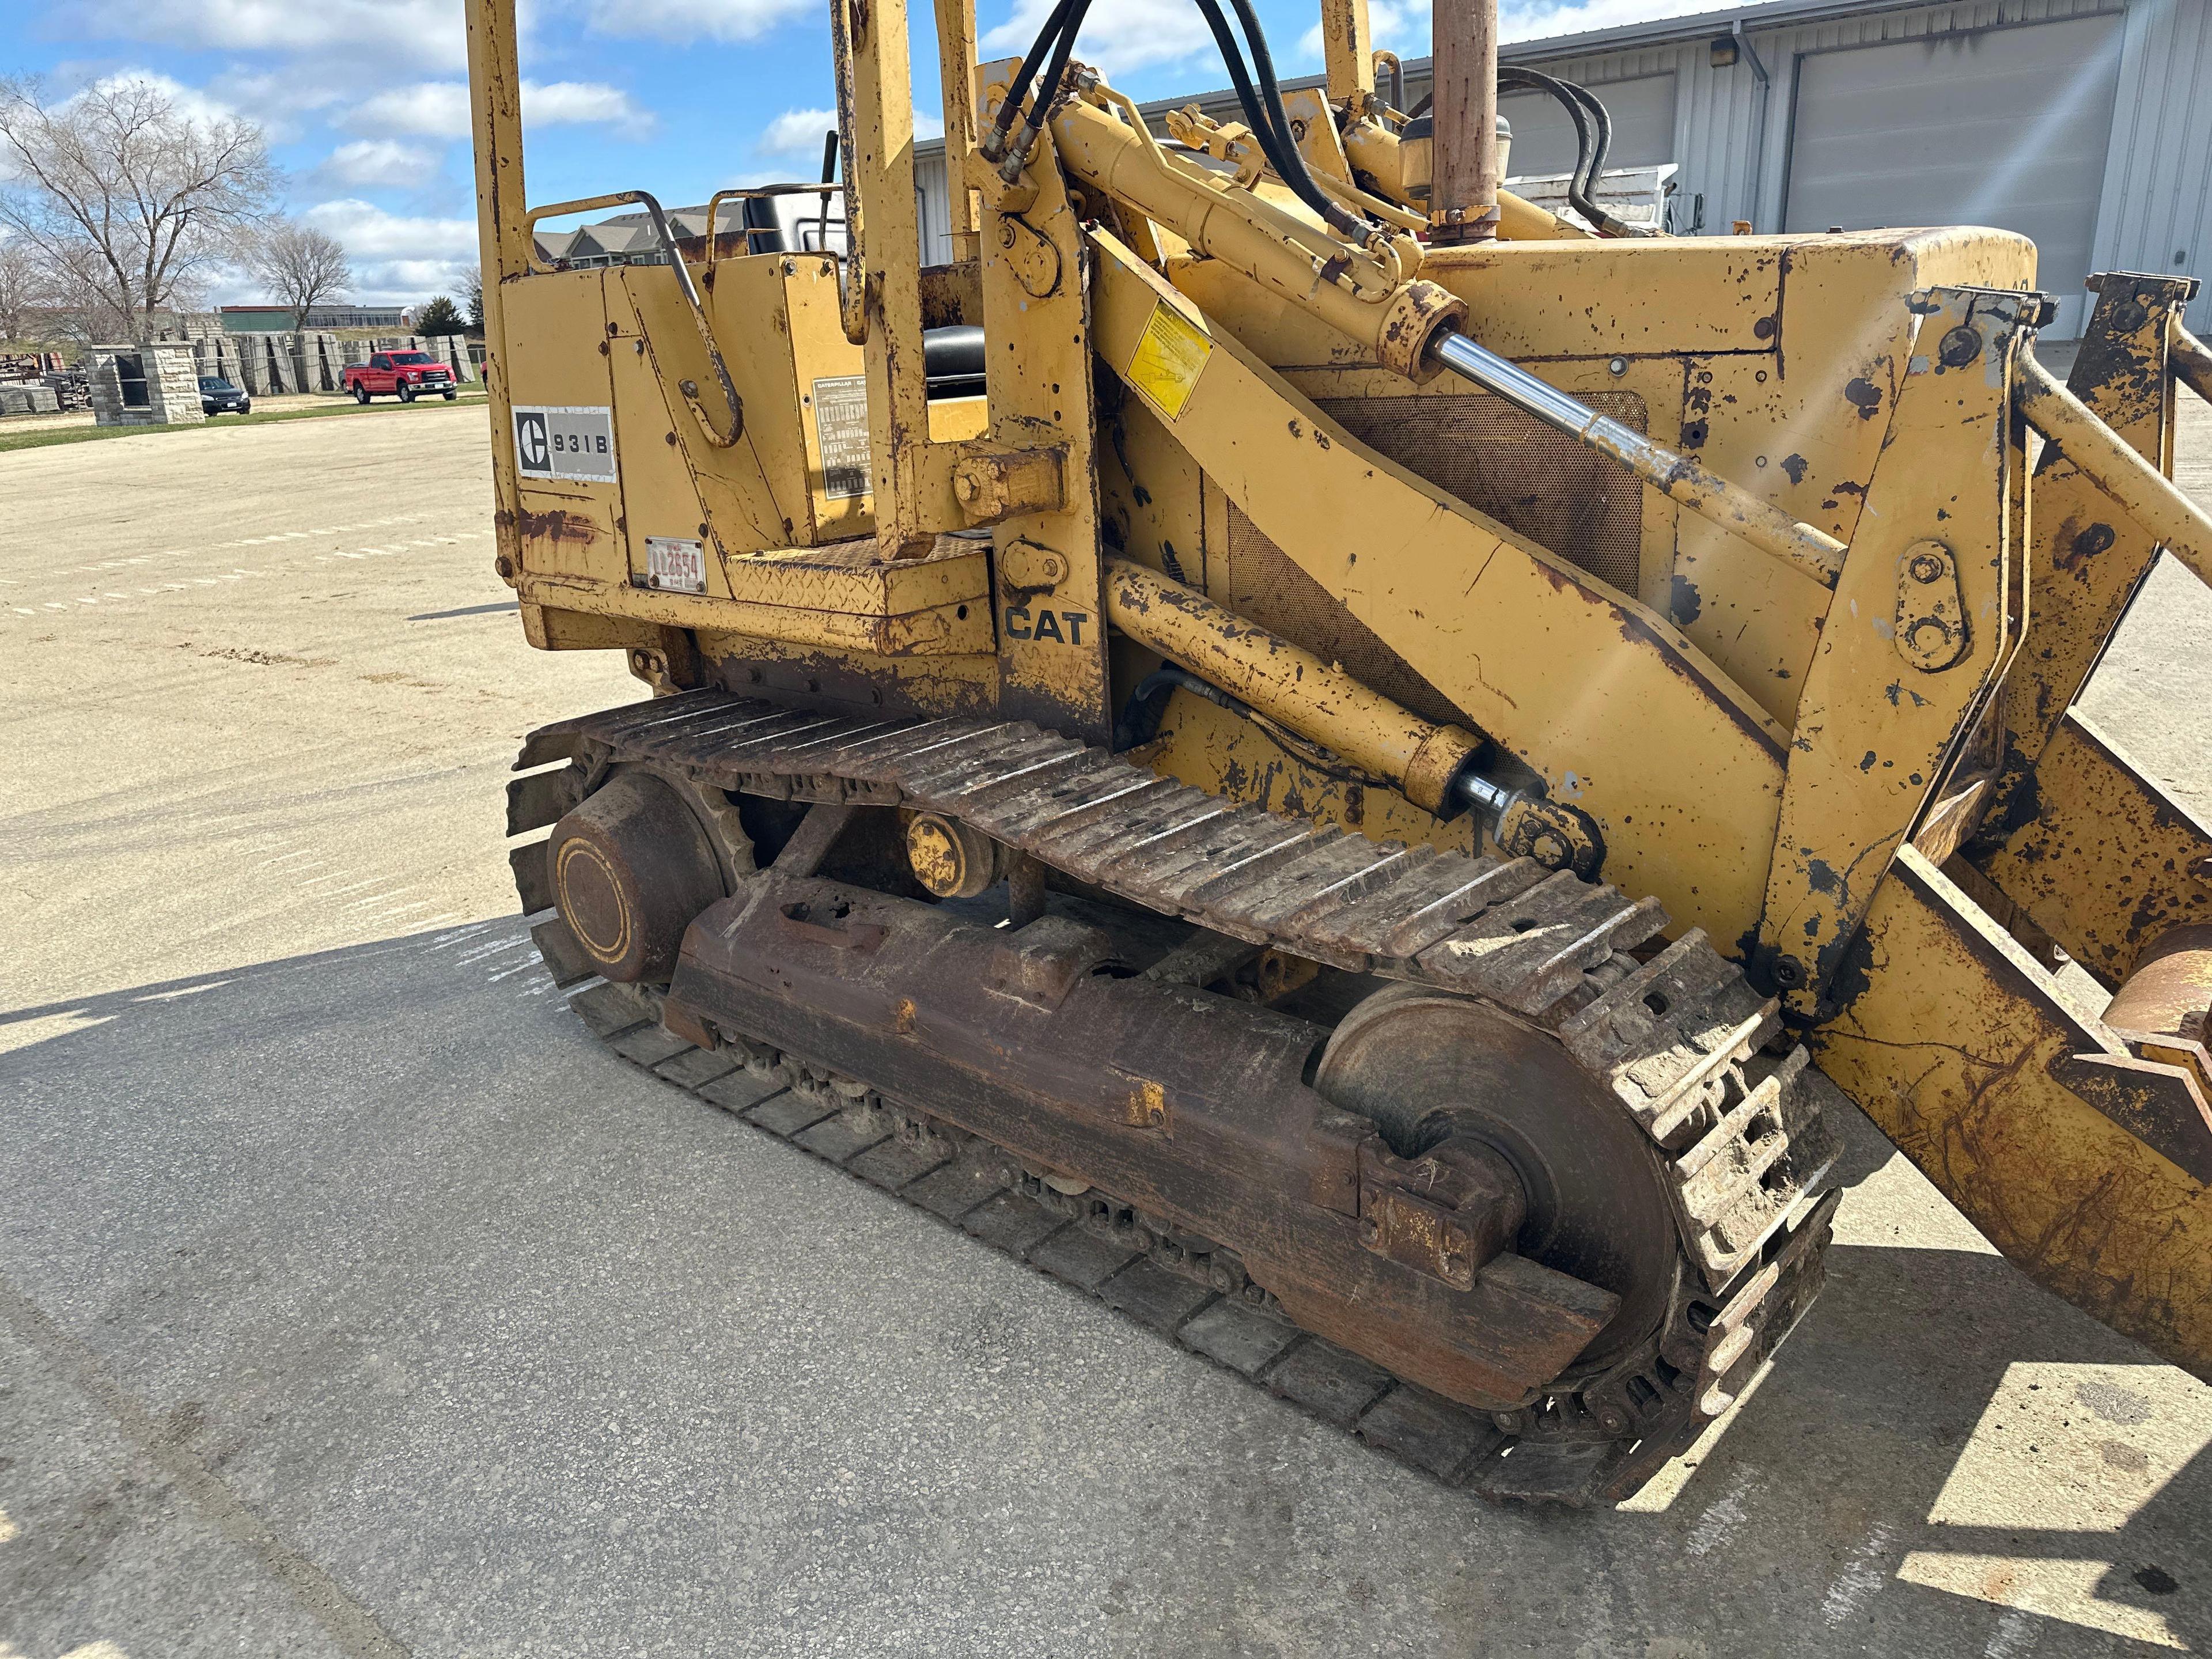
<point x="1463" y="185"/>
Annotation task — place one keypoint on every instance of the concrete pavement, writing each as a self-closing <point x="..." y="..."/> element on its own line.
<point x="353" y="1301"/>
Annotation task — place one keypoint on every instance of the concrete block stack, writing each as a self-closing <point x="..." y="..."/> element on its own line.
<point x="28" y="398"/>
<point x="453" y="350"/>
<point x="249" y="365"/>
<point x="266" y="364"/>
<point x="24" y="388"/>
<point x="216" y="356"/>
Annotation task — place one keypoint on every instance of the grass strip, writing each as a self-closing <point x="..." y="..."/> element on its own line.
<point x="85" y="435"/>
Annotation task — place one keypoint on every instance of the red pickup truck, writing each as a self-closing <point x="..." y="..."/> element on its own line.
<point x="409" y="374"/>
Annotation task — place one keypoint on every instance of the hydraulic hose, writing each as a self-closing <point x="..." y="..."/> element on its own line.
<point x="1262" y="106"/>
<point x="1270" y="100"/>
<point x="1069" y="16"/>
<point x="1054" y="72"/>
<point x="993" y="142"/>
<point x="1593" y="139"/>
<point x="1276" y="146"/>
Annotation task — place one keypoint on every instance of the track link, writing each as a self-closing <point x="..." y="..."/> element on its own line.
<point x="1671" y="1038"/>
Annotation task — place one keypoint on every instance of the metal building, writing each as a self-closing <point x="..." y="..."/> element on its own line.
<point x="2082" y="123"/>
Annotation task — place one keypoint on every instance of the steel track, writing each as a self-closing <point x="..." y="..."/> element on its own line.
<point x="1671" y="1038"/>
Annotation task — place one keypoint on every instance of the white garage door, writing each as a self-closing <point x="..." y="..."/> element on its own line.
<point x="2004" y="127"/>
<point x="1643" y="112"/>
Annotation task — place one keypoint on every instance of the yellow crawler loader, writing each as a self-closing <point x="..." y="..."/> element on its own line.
<point x="1316" y="749"/>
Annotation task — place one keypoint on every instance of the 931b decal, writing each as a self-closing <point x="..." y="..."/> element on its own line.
<point x="574" y="441"/>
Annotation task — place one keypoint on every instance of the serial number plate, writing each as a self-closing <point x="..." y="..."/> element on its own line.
<point x="571" y="441"/>
<point x="841" y="431"/>
<point x="674" y="566"/>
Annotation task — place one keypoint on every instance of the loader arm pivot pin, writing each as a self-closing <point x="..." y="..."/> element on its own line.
<point x="1761" y="523"/>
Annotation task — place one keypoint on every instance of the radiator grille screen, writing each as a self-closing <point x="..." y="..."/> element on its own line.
<point x="1516" y="470"/>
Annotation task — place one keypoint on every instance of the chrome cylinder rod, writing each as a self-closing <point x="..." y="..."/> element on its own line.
<point x="1677" y="477"/>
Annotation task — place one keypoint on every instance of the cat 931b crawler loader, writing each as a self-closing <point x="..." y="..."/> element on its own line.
<point x="1316" y="749"/>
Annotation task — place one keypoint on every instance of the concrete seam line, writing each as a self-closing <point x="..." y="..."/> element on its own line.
<point x="350" y="1625"/>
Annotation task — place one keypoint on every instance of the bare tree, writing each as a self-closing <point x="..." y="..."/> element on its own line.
<point x="25" y="290"/>
<point x="126" y="196"/>
<point x="300" y="268"/>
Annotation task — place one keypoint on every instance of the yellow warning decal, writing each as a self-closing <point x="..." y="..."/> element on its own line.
<point x="1168" y="358"/>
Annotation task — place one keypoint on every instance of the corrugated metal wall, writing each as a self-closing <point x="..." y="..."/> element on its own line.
<point x="936" y="205"/>
<point x="1717" y="111"/>
<point x="1732" y="136"/>
<point x="2156" y="214"/>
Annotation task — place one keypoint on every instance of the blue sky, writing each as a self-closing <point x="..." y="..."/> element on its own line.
<point x="365" y="101"/>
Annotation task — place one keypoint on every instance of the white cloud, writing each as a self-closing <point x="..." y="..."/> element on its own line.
<point x="686" y="20"/>
<point x="370" y="232"/>
<point x="440" y="109"/>
<point x="430" y="109"/>
<point x="276" y="102"/>
<point x="191" y="103"/>
<point x="1126" y="35"/>
<point x="796" y="133"/>
<point x="397" y="260"/>
<point x="584" y="103"/>
<point x="368" y="162"/>
<point x="1402" y="26"/>
<point x="426" y="30"/>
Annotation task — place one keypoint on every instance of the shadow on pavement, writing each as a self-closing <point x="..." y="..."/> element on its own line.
<point x="525" y="1342"/>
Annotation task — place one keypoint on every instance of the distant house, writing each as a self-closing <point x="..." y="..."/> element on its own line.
<point x="278" y="320"/>
<point x="795" y="223"/>
<point x="625" y="239"/>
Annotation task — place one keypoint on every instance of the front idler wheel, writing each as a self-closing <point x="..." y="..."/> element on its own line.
<point x="631" y="867"/>
<point x="1436" y="1070"/>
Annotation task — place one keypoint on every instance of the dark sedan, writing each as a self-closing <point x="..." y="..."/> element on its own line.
<point x="220" y="396"/>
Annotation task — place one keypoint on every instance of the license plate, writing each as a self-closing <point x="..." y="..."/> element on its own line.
<point x="674" y="566"/>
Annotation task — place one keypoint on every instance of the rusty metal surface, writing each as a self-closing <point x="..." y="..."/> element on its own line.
<point x="1481" y="925"/>
<point x="1544" y="945"/>
<point x="1448" y="1213"/>
<point x="2170" y="989"/>
<point x="1881" y="719"/>
<point x="1096" y="1243"/>
<point x="2160" y="1011"/>
<point x="1192" y="1108"/>
<point x="2102" y="859"/>
<point x="2085" y="1166"/>
<point x="2085" y="559"/>
<point x="630" y="867"/>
